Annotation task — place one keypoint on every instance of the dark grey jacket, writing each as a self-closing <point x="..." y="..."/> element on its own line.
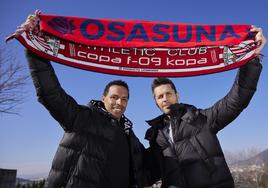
<point x="81" y="158"/>
<point x="197" y="148"/>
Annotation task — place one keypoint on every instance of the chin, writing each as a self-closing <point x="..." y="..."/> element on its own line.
<point x="166" y="111"/>
<point x="117" y="116"/>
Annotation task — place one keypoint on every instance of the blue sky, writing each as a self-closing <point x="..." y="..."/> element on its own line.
<point x="28" y="142"/>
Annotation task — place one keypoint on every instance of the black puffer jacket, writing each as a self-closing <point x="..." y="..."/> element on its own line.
<point x="197" y="148"/>
<point x="82" y="157"/>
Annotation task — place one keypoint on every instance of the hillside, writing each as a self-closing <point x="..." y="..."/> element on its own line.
<point x="251" y="173"/>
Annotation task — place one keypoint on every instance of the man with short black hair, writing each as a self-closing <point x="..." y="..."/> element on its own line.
<point x="186" y="150"/>
<point x="99" y="148"/>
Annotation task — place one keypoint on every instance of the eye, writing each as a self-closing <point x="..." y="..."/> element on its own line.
<point x="160" y="96"/>
<point x="124" y="99"/>
<point x="114" y="97"/>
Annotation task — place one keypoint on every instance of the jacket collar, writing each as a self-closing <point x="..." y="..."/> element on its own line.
<point x="97" y="105"/>
<point x="157" y="122"/>
<point x="188" y="116"/>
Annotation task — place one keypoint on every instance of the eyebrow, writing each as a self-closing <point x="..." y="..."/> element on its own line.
<point x="115" y="95"/>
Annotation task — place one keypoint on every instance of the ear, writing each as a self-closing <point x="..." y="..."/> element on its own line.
<point x="103" y="98"/>
<point x="155" y="102"/>
<point x="178" y="97"/>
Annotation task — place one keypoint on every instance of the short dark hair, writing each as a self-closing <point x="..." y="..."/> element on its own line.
<point x="162" y="81"/>
<point x="115" y="82"/>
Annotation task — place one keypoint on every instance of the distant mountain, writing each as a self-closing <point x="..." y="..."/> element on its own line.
<point x="33" y="176"/>
<point x="261" y="158"/>
<point x="252" y="172"/>
<point x="23" y="181"/>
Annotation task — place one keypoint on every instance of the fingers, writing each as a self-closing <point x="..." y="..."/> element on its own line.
<point x="157" y="184"/>
<point x="259" y="38"/>
<point x="31" y="19"/>
<point x="259" y="35"/>
<point x="37" y="12"/>
<point x="31" y="24"/>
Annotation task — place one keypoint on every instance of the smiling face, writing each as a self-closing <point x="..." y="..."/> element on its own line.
<point x="164" y="96"/>
<point x="115" y="101"/>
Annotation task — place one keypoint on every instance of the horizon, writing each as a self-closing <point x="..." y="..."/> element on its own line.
<point x="42" y="175"/>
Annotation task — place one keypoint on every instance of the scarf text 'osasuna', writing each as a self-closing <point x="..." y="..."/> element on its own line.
<point x="140" y="48"/>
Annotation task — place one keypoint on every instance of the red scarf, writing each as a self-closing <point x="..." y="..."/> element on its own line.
<point x="141" y="48"/>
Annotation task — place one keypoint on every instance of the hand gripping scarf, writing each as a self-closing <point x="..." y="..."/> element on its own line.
<point x="139" y="48"/>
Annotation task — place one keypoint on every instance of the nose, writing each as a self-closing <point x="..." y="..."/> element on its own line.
<point x="165" y="98"/>
<point x="119" y="101"/>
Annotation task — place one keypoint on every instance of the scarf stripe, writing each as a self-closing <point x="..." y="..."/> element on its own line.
<point x="140" y="48"/>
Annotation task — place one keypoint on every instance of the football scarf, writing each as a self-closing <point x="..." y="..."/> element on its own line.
<point x="139" y="48"/>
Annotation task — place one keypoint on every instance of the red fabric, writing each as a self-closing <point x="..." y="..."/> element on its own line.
<point x="73" y="27"/>
<point x="141" y="48"/>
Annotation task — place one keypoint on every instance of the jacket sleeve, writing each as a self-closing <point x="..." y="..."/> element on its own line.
<point x="49" y="92"/>
<point x="228" y="108"/>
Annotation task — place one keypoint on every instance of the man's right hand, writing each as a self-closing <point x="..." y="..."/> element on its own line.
<point x="31" y="24"/>
<point x="157" y="184"/>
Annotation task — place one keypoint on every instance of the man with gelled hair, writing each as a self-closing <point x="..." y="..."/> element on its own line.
<point x="186" y="150"/>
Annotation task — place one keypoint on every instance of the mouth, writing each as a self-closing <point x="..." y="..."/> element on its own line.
<point x="118" y="109"/>
<point x="166" y="106"/>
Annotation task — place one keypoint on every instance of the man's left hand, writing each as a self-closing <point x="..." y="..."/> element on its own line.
<point x="259" y="38"/>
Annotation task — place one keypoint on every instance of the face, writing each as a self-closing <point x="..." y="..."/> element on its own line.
<point x="116" y="100"/>
<point x="164" y="96"/>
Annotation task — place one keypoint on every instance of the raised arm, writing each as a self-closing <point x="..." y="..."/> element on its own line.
<point x="227" y="109"/>
<point x="49" y="92"/>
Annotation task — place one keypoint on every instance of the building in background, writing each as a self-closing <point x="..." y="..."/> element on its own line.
<point x="8" y="178"/>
